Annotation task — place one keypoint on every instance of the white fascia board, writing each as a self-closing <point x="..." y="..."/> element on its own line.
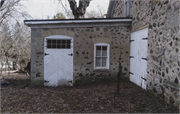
<point x="34" y="22"/>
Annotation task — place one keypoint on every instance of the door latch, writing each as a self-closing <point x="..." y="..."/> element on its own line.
<point x="143" y="78"/>
<point x="70" y="54"/>
<point x="46" y="54"/>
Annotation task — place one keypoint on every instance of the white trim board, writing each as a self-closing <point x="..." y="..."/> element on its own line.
<point x="77" y="23"/>
<point x="108" y="56"/>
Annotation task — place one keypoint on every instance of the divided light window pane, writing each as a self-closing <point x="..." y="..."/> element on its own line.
<point x="54" y="44"/>
<point x="104" y="62"/>
<point x="58" y="44"/>
<point x="98" y="62"/>
<point x="48" y="43"/>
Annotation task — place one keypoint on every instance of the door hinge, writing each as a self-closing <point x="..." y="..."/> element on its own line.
<point x="46" y="54"/>
<point x="131" y="40"/>
<point x="131" y="73"/>
<point x="70" y="54"/>
<point x="144" y="38"/>
<point x="144" y="59"/>
<point x="46" y="81"/>
<point x="70" y="81"/>
<point x="143" y="78"/>
<point x="131" y="57"/>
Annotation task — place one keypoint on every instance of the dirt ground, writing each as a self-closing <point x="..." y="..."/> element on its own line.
<point x="19" y="97"/>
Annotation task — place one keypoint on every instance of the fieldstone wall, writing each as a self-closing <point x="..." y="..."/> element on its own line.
<point x="162" y="18"/>
<point x="84" y="40"/>
<point x="119" y="9"/>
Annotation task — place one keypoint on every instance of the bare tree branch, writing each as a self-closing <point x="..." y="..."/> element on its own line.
<point x="63" y="6"/>
<point x="11" y="9"/>
<point x="2" y="2"/>
<point x="73" y="7"/>
<point x="15" y="43"/>
<point x="81" y="10"/>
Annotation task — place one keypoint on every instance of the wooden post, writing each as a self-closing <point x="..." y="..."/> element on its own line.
<point x="119" y="74"/>
<point x="118" y="79"/>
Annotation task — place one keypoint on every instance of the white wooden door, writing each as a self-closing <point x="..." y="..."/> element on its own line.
<point x="138" y="57"/>
<point x="58" y="61"/>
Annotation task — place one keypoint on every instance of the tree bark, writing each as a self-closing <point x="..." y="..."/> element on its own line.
<point x="79" y="12"/>
<point x="14" y="65"/>
<point x="2" y="2"/>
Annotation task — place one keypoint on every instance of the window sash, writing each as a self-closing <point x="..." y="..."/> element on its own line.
<point x="101" y="62"/>
<point x="101" y="56"/>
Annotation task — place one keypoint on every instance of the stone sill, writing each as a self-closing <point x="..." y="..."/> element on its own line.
<point x="101" y="70"/>
<point x="171" y="84"/>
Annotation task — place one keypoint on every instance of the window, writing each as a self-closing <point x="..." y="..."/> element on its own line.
<point x="101" y="56"/>
<point x="58" y="44"/>
<point x="126" y="8"/>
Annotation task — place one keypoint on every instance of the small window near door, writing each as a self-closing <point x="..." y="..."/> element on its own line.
<point x="58" y="44"/>
<point x="101" y="56"/>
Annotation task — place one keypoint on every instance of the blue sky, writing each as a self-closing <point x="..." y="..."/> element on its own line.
<point x="41" y="9"/>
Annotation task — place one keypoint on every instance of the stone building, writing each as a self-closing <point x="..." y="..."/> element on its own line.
<point x="146" y="32"/>
<point x="160" y="19"/>
<point x="70" y="52"/>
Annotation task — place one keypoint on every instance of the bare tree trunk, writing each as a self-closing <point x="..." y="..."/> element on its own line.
<point x="2" y="2"/>
<point x="14" y="65"/>
<point x="7" y="62"/>
<point x="1" y="62"/>
<point x="79" y="12"/>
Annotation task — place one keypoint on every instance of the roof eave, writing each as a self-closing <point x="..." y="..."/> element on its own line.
<point x="78" y="23"/>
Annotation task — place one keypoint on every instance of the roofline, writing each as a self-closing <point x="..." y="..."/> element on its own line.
<point x="78" y="22"/>
<point x="76" y="19"/>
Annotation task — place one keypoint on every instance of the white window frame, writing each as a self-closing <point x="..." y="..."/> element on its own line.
<point x="127" y="6"/>
<point x="108" y="57"/>
<point x="56" y="37"/>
